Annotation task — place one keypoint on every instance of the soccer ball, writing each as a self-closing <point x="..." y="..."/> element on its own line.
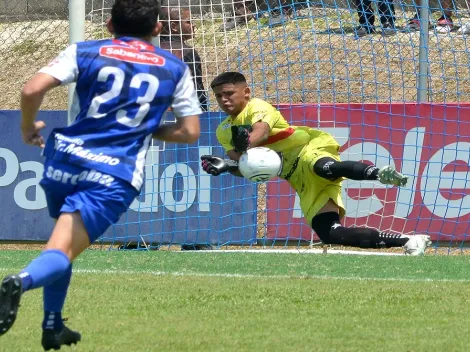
<point x="260" y="164"/>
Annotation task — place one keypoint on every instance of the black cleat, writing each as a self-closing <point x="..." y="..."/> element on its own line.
<point x="196" y="247"/>
<point x="10" y="295"/>
<point x="52" y="339"/>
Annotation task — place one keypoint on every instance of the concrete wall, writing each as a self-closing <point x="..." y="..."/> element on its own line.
<point x="17" y="10"/>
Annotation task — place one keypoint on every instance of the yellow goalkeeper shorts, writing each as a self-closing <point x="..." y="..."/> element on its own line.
<point x="315" y="191"/>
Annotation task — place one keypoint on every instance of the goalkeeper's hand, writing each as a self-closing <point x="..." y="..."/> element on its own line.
<point x="215" y="166"/>
<point x="241" y="137"/>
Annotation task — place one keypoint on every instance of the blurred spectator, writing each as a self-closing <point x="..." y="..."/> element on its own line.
<point x="246" y="10"/>
<point x="367" y="18"/>
<point x="177" y="29"/>
<point x="444" y="23"/>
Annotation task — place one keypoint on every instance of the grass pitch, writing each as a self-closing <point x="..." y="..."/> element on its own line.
<point x="170" y="301"/>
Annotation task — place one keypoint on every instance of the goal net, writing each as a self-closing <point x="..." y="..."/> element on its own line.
<point x="322" y="69"/>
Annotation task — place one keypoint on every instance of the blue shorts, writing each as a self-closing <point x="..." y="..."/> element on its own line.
<point x="101" y="199"/>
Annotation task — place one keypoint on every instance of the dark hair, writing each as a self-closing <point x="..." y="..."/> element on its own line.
<point x="135" y="18"/>
<point x="228" y="78"/>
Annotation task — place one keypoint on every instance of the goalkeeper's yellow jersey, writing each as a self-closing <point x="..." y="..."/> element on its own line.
<point x="284" y="138"/>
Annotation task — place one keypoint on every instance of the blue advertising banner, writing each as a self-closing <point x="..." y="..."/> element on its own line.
<point x="179" y="202"/>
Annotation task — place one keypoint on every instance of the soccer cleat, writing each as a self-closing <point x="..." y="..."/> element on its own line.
<point x="52" y="339"/>
<point x="10" y="296"/>
<point x="389" y="176"/>
<point x="417" y="244"/>
<point x="196" y="247"/>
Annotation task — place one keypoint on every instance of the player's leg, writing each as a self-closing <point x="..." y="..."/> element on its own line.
<point x="69" y="238"/>
<point x="50" y="266"/>
<point x="84" y="216"/>
<point x="366" y="18"/>
<point x="52" y="269"/>
<point x="76" y="240"/>
<point x="332" y="169"/>
<point x="321" y="202"/>
<point x="328" y="228"/>
<point x="97" y="207"/>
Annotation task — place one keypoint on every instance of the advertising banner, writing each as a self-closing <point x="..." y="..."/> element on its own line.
<point x="179" y="202"/>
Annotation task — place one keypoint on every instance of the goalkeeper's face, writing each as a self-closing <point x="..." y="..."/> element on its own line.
<point x="232" y="98"/>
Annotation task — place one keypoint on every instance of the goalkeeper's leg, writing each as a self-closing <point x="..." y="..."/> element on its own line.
<point x="328" y="228"/>
<point x="332" y="169"/>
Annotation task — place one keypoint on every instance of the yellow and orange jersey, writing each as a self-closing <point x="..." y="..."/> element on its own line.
<point x="282" y="137"/>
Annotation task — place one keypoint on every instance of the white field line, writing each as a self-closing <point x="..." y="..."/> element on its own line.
<point x="246" y="276"/>
<point x="294" y="251"/>
<point x="256" y="276"/>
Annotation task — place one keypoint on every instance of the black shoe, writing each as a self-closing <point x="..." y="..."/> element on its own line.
<point x="131" y="245"/>
<point x="10" y="295"/>
<point x="52" y="339"/>
<point x="196" y="247"/>
<point x="138" y="245"/>
<point x="362" y="31"/>
<point x="388" y="29"/>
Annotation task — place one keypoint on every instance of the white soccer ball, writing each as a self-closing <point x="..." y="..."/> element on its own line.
<point x="260" y="164"/>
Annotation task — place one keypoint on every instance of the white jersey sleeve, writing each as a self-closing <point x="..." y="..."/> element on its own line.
<point x="64" y="67"/>
<point x="185" y="100"/>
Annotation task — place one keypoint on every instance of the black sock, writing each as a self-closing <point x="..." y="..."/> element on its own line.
<point x="331" y="169"/>
<point x="330" y="231"/>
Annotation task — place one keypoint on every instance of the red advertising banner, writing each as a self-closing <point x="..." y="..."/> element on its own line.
<point x="428" y="142"/>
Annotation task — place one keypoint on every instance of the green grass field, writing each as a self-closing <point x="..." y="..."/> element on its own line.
<point x="177" y="301"/>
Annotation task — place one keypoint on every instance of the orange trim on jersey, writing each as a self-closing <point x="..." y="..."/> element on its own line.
<point x="279" y="136"/>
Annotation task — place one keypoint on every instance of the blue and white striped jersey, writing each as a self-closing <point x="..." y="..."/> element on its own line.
<point x="124" y="86"/>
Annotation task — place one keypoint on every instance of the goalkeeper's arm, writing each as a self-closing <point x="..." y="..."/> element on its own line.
<point x="234" y="155"/>
<point x="245" y="136"/>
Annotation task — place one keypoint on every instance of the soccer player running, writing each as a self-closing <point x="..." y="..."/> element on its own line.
<point x="311" y="165"/>
<point x="93" y="168"/>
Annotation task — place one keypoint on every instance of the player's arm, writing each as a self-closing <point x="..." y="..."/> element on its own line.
<point x="245" y="137"/>
<point x="234" y="155"/>
<point x="184" y="130"/>
<point x="62" y="70"/>
<point x="262" y="119"/>
<point x="186" y="109"/>
<point x="259" y="134"/>
<point x="32" y="96"/>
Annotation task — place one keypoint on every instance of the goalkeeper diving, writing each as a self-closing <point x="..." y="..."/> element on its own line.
<point x="310" y="163"/>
